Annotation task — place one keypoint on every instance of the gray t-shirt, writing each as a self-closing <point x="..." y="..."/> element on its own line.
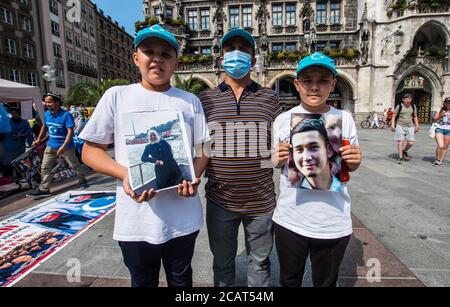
<point x="405" y="118"/>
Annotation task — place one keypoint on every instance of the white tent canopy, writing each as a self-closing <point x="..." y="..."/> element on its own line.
<point x="25" y="94"/>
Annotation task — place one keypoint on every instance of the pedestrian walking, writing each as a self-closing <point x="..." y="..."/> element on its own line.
<point x="442" y="132"/>
<point x="374" y="122"/>
<point x="60" y="127"/>
<point x="405" y="124"/>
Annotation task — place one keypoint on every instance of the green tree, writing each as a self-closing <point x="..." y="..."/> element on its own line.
<point x="189" y="85"/>
<point x="90" y="93"/>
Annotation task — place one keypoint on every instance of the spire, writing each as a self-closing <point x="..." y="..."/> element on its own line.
<point x="364" y="17"/>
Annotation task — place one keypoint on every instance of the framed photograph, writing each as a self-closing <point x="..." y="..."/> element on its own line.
<point x="158" y="151"/>
<point x="315" y="160"/>
<point x="29" y="166"/>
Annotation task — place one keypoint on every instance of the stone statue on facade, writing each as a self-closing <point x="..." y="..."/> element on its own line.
<point x="262" y="16"/>
<point x="305" y="14"/>
<point x="365" y="35"/>
<point x="179" y="7"/>
<point x="218" y="19"/>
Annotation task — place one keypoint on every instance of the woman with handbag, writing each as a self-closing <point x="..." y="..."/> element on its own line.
<point x="442" y="132"/>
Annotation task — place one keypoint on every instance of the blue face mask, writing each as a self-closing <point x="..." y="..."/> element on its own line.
<point x="237" y="64"/>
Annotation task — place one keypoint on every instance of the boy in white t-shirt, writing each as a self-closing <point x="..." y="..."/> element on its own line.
<point x="153" y="226"/>
<point x="315" y="223"/>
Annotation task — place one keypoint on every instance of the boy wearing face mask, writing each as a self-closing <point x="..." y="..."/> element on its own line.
<point x="240" y="187"/>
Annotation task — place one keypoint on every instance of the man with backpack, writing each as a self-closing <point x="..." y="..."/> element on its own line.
<point x="405" y="124"/>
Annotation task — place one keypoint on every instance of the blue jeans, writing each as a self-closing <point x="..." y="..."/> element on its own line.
<point x="223" y="227"/>
<point x="445" y="132"/>
<point x="143" y="260"/>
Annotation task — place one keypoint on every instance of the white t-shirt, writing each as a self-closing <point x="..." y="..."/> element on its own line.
<point x="168" y="215"/>
<point x="313" y="213"/>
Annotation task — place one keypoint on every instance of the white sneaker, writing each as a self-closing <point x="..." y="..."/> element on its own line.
<point x="437" y="163"/>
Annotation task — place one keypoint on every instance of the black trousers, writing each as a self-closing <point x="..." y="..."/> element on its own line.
<point x="143" y="260"/>
<point x="293" y="251"/>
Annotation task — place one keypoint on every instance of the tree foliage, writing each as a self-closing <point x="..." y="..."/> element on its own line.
<point x="89" y="93"/>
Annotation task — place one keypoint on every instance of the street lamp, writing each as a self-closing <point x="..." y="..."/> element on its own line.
<point x="49" y="75"/>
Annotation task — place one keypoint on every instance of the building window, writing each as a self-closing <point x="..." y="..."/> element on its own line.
<point x="247" y="16"/>
<point x="321" y="13"/>
<point x="290" y="46"/>
<point x="86" y="62"/>
<point x="102" y="25"/>
<point x="56" y="50"/>
<point x="77" y="41"/>
<point x="78" y="58"/>
<point x="169" y="12"/>
<point x="69" y="37"/>
<point x="83" y="7"/>
<point x="6" y="16"/>
<point x="192" y="20"/>
<point x="54" y="7"/>
<point x="55" y="28"/>
<point x="320" y="46"/>
<point x="206" y="50"/>
<point x="32" y="79"/>
<point x="276" y="47"/>
<point x="24" y="2"/>
<point x="91" y="31"/>
<point x="290" y="14"/>
<point x="204" y="19"/>
<point x="14" y="75"/>
<point x="86" y="45"/>
<point x="93" y="49"/>
<point x="28" y="51"/>
<point x="335" y="13"/>
<point x="277" y="15"/>
<point x="25" y="23"/>
<point x="334" y="45"/>
<point x="10" y="46"/>
<point x="85" y="27"/>
<point x="234" y="17"/>
<point x="70" y="55"/>
<point x="102" y="41"/>
<point x="59" y="78"/>
<point x="71" y="79"/>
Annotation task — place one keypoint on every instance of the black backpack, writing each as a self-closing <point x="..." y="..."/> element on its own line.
<point x="400" y="110"/>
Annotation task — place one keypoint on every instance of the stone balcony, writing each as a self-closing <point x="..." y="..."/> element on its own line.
<point x="196" y="67"/>
<point x="289" y="64"/>
<point x="420" y="8"/>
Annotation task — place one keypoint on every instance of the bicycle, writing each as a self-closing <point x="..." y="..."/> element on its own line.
<point x="367" y="122"/>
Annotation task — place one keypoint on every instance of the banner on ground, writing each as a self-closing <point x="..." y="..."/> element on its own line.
<point x="30" y="237"/>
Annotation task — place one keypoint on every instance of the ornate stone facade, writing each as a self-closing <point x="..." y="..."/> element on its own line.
<point x="375" y="44"/>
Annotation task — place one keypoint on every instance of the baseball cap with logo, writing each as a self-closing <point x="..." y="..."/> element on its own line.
<point x="55" y="95"/>
<point x="156" y="31"/>
<point x="238" y="33"/>
<point x="316" y="59"/>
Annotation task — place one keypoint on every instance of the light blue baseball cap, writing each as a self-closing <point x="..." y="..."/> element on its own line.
<point x="316" y="59"/>
<point x="156" y="31"/>
<point x="237" y="32"/>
